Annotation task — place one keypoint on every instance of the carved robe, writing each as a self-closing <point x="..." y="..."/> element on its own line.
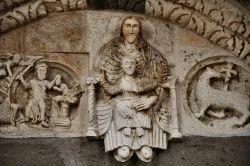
<point x="149" y="64"/>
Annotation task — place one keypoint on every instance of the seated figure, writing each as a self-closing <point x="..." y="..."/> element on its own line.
<point x="133" y="117"/>
<point x="130" y="107"/>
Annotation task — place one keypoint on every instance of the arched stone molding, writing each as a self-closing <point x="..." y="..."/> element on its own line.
<point x="207" y="20"/>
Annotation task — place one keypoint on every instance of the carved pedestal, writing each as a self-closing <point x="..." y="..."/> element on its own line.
<point x="63" y="116"/>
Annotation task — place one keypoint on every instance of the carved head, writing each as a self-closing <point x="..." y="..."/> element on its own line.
<point x="129" y="65"/>
<point x="210" y="72"/>
<point x="131" y="29"/>
<point x="58" y="80"/>
<point x="41" y="71"/>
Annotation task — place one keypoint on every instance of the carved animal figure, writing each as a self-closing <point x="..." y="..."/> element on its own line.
<point x="208" y="96"/>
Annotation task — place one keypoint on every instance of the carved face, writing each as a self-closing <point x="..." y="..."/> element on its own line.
<point x="58" y="80"/>
<point x="129" y="66"/>
<point x="41" y="73"/>
<point x="131" y="30"/>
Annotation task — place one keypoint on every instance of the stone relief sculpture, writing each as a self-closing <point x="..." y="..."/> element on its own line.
<point x="66" y="98"/>
<point x="36" y="107"/>
<point x="217" y="99"/>
<point x="131" y="109"/>
<point x="210" y="97"/>
<point x="9" y="109"/>
<point x="40" y="89"/>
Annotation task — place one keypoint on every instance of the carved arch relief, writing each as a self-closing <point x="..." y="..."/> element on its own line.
<point x="134" y="85"/>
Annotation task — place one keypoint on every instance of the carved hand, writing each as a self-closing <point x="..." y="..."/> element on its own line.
<point x="171" y="82"/>
<point x="145" y="103"/>
<point x="21" y="78"/>
<point x="57" y="88"/>
<point x="91" y="80"/>
<point x="100" y="77"/>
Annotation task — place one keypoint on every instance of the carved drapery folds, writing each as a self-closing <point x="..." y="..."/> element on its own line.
<point x="226" y="28"/>
<point x="135" y="109"/>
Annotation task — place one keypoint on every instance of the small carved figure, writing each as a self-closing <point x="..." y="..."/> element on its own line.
<point x="209" y="97"/>
<point x="36" y="106"/>
<point x="69" y="96"/>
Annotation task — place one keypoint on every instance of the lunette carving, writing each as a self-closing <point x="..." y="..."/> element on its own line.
<point x="39" y="96"/>
<point x="213" y="94"/>
<point x="208" y="96"/>
<point x="9" y="109"/>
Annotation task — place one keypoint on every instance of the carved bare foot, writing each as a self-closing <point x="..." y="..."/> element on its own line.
<point x="145" y="154"/>
<point x="123" y="154"/>
<point x="44" y="124"/>
<point x="175" y="134"/>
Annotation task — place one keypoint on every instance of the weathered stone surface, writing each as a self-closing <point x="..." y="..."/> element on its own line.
<point x="11" y="40"/>
<point x="56" y="33"/>
<point x="195" y="151"/>
<point x="212" y="90"/>
<point x="88" y="31"/>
